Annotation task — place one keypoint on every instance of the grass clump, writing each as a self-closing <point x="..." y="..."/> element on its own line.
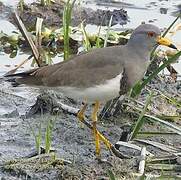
<point x="67" y="14"/>
<point x="38" y="137"/>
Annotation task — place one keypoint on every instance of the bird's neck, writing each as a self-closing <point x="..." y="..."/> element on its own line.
<point x="140" y="46"/>
<point x="142" y="51"/>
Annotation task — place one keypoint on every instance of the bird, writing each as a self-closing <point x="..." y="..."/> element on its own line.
<point x="100" y="74"/>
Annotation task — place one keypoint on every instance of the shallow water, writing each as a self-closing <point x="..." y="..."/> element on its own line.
<point x="138" y="11"/>
<point x="149" y="10"/>
<point x="15" y="2"/>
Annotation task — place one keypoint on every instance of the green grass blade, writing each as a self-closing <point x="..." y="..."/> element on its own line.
<point x="111" y="175"/>
<point x="48" y="137"/>
<point x="87" y="44"/>
<point x="171" y="100"/>
<point x="38" y="137"/>
<point x="42" y="2"/>
<point x="169" y="118"/>
<point x="170" y="126"/>
<point x="98" y="40"/>
<point x="38" y="140"/>
<point x="66" y="32"/>
<point x="140" y="121"/>
<point x="67" y="14"/>
<point x="21" y="5"/>
<point x="136" y="90"/>
<point x="168" y="29"/>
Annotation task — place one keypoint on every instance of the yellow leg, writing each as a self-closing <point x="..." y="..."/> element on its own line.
<point x="95" y="131"/>
<point x="105" y="140"/>
<point x="80" y="114"/>
<point x="97" y="135"/>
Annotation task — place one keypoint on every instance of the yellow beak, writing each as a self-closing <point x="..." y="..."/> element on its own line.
<point x="165" y="42"/>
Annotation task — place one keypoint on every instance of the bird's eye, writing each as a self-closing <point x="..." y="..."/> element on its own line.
<point x="151" y="34"/>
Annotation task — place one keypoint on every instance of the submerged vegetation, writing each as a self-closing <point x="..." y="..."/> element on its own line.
<point x="67" y="40"/>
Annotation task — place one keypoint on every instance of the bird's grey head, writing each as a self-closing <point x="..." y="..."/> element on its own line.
<point x="145" y="36"/>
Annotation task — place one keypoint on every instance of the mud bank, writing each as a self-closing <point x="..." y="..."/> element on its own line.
<point x="72" y="142"/>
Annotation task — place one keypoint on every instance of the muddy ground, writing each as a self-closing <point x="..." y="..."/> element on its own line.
<point x="53" y="15"/>
<point x="71" y="141"/>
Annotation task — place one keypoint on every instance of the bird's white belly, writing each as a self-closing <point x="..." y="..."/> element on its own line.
<point x="103" y="92"/>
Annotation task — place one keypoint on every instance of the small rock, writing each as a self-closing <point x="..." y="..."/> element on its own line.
<point x="179" y="160"/>
<point x="12" y="114"/>
<point x="163" y="10"/>
<point x="151" y="21"/>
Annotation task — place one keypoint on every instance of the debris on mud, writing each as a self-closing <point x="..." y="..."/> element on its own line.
<point x="112" y="129"/>
<point x="46" y="103"/>
<point x="53" y="14"/>
<point x="57" y="168"/>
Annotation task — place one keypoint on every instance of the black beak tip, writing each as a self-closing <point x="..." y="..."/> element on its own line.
<point x="173" y="46"/>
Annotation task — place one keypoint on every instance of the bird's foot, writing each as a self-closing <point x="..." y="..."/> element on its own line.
<point x="105" y="140"/>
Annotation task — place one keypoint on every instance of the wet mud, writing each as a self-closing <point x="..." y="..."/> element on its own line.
<point x="72" y="142"/>
<point x="53" y="15"/>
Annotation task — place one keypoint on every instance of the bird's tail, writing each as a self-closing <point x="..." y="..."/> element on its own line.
<point x="19" y="78"/>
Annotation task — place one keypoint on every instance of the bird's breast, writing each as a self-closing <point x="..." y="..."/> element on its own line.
<point x="135" y="71"/>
